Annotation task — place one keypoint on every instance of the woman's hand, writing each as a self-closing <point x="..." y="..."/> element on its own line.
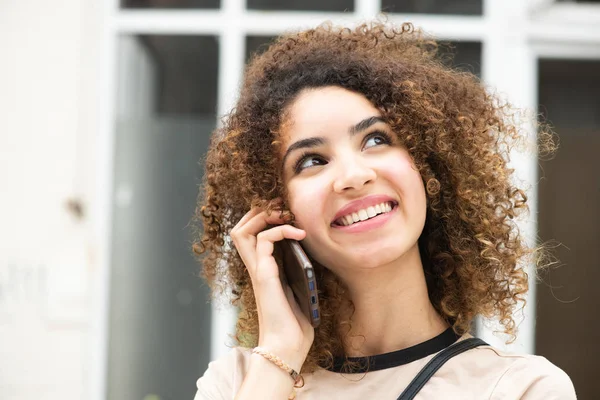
<point x="283" y="328"/>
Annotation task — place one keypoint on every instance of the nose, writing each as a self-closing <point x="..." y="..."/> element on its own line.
<point x="352" y="173"/>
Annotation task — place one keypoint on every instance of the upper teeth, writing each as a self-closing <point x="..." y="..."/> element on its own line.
<point x="365" y="214"/>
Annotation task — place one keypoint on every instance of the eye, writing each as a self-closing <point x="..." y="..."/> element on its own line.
<point x="307" y="161"/>
<point x="377" y="138"/>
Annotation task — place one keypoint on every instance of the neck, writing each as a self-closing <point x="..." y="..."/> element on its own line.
<point x="392" y="310"/>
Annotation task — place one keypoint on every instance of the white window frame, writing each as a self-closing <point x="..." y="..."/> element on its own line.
<point x="514" y="34"/>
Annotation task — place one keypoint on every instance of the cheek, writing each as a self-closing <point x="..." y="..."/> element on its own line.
<point x="404" y="176"/>
<point x="416" y="201"/>
<point x="306" y="203"/>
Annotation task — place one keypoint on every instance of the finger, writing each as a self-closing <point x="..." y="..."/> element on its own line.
<point x="289" y="294"/>
<point x="244" y="237"/>
<point x="265" y="240"/>
<point x="262" y="267"/>
<point x="250" y="214"/>
<point x="258" y="223"/>
<point x="253" y="212"/>
<point x="254" y="251"/>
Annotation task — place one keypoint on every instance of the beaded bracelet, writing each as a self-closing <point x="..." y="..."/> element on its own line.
<point x="298" y="379"/>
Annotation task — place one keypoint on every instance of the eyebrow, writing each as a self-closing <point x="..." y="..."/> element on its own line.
<point x="318" y="141"/>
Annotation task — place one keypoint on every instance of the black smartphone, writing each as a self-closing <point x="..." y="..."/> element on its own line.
<point x="299" y="274"/>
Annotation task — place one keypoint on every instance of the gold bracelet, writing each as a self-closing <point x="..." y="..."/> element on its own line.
<point x="298" y="379"/>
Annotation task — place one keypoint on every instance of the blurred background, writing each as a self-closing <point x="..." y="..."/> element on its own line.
<point x="106" y="108"/>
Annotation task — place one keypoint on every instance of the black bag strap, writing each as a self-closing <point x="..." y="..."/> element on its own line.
<point x="436" y="363"/>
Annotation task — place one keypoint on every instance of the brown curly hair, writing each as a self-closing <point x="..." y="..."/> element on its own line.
<point x="458" y="134"/>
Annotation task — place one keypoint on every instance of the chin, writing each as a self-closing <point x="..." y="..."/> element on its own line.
<point x="364" y="258"/>
<point x="374" y="259"/>
<point x="359" y="256"/>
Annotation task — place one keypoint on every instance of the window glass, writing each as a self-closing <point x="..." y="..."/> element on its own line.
<point x="568" y="213"/>
<point x="302" y="5"/>
<point x="459" y="7"/>
<point x="170" y="3"/>
<point x="464" y="56"/>
<point x="256" y="45"/>
<point x="160" y="318"/>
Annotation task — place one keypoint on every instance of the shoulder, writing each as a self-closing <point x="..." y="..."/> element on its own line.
<point x="222" y="378"/>
<point x="523" y="376"/>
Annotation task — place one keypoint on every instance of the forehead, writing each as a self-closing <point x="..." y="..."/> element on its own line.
<point x="324" y="111"/>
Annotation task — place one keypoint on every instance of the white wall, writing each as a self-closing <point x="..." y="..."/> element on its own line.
<point x="48" y="71"/>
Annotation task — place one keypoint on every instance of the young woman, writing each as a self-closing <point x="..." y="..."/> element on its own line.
<point x="390" y="169"/>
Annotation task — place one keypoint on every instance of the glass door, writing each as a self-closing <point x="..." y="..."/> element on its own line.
<point x="569" y="198"/>
<point x="160" y="316"/>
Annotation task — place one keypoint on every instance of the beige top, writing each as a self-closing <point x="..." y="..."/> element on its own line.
<point x="480" y="373"/>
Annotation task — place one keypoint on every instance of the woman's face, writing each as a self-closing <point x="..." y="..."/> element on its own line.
<point x="343" y="163"/>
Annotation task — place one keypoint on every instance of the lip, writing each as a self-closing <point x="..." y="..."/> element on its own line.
<point x="369" y="224"/>
<point x="363" y="203"/>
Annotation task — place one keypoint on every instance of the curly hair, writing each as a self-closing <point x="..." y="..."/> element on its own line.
<point x="457" y="133"/>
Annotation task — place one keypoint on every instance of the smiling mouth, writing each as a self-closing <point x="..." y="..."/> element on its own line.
<point x="365" y="214"/>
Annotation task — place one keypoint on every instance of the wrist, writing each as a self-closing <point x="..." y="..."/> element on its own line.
<point x="294" y="358"/>
<point x="267" y="367"/>
<point x="265" y="378"/>
<point x="295" y="375"/>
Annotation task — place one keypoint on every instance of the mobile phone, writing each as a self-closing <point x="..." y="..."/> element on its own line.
<point x="299" y="274"/>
